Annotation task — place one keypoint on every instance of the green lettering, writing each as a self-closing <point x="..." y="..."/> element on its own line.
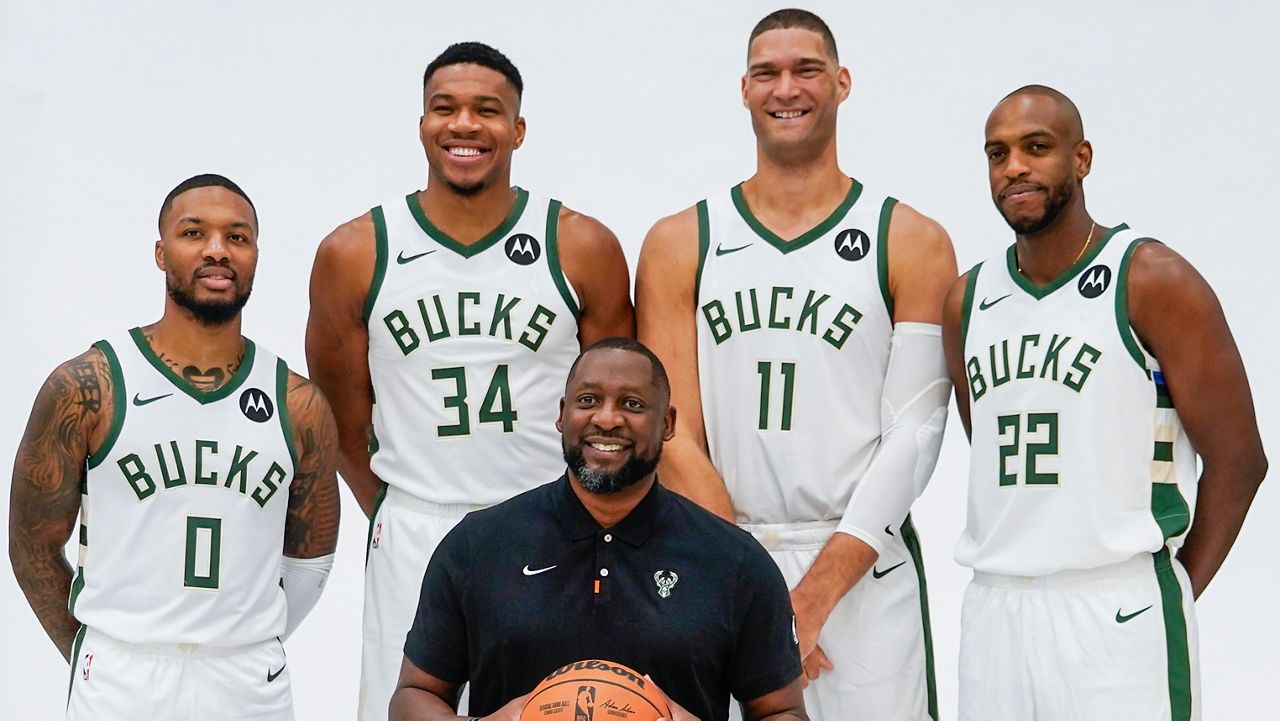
<point x="133" y="470"/>
<point x="404" y="336"/>
<point x="201" y="447"/>
<point x="463" y="328"/>
<point x="171" y="481"/>
<point x="1023" y="371"/>
<point x="1051" y="355"/>
<point x="433" y="334"/>
<point x="809" y="312"/>
<point x="719" y="327"/>
<point x="1076" y="382"/>
<point x="845" y="329"/>
<point x="240" y="467"/>
<point x="271" y="484"/>
<point x="534" y="342"/>
<point x="785" y="323"/>
<point x="997" y="379"/>
<point x="502" y="313"/>
<point x="743" y="325"/>
<point x="977" y="384"/>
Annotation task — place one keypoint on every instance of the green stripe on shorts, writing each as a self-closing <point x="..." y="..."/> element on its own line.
<point x="1175" y="633"/>
<point x="912" y="543"/>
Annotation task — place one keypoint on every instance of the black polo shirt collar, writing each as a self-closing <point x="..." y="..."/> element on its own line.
<point x="578" y="524"/>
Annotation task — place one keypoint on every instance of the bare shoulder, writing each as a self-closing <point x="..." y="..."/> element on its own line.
<point x="83" y="383"/>
<point x="915" y="233"/>
<point x="579" y="232"/>
<point x="307" y="405"/>
<point x="348" y="252"/>
<point x="69" y="418"/>
<point x="675" y="236"/>
<point x="1155" y="265"/>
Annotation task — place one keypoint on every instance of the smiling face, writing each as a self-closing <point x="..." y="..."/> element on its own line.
<point x="1036" y="159"/>
<point x="793" y="88"/>
<point x="614" y="419"/>
<point x="470" y="126"/>
<point x="208" y="250"/>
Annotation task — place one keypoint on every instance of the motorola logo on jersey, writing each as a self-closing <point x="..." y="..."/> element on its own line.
<point x="852" y="244"/>
<point x="256" y="405"/>
<point x="523" y="248"/>
<point x="1095" y="281"/>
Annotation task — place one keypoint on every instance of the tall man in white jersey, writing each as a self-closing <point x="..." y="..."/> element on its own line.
<point x="458" y="309"/>
<point x="1091" y="365"/>
<point x="194" y="459"/>
<point x="798" y="314"/>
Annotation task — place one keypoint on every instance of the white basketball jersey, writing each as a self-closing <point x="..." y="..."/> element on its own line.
<point x="793" y="344"/>
<point x="1078" y="457"/>
<point x="183" y="513"/>
<point x="469" y="346"/>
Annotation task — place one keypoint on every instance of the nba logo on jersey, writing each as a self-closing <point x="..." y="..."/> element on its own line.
<point x="256" y="405"/>
<point x="84" y="671"/>
<point x="523" y="248"/>
<point x="586" y="703"/>
<point x="377" y="535"/>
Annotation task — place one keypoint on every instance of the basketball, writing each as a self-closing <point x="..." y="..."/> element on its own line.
<point x="595" y="690"/>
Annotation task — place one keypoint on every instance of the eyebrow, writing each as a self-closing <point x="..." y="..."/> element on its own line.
<point x="200" y="221"/>
<point x="590" y="386"/>
<point x="1038" y="133"/>
<point x="771" y="64"/>
<point x="453" y="98"/>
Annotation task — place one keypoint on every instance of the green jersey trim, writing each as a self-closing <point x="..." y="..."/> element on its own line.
<point x="1175" y="634"/>
<point x="379" y="261"/>
<point x="1122" y="307"/>
<point x="882" y="253"/>
<point x="282" y="402"/>
<point x="739" y="202"/>
<point x="966" y="304"/>
<point x="237" y="380"/>
<point x="119" y="402"/>
<point x="462" y="249"/>
<point x="1169" y="509"/>
<point x="552" y="238"/>
<point x="1041" y="291"/>
<point x="704" y="244"/>
<point x="912" y="543"/>
<point x="77" y="585"/>
<point x="75" y="663"/>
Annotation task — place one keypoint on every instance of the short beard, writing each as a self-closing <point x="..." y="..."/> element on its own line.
<point x="1058" y="198"/>
<point x="604" y="483"/>
<point x="466" y="191"/>
<point x="208" y="313"/>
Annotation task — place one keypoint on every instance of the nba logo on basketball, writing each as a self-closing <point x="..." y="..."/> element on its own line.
<point x="586" y="703"/>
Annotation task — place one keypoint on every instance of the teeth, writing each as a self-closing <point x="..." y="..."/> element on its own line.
<point x="788" y="114"/>
<point x="464" y="152"/>
<point x="607" y="446"/>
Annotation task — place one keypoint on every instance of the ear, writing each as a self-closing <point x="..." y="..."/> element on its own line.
<point x="520" y="128"/>
<point x="422" y="129"/>
<point x="1084" y="159"/>
<point x="160" y="254"/>
<point x="559" y="422"/>
<point x="844" y="82"/>
<point x="744" y="91"/>
<point x="669" y="423"/>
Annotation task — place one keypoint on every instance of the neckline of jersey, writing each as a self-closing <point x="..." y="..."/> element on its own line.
<point x="1040" y="291"/>
<point x="463" y="249"/>
<point x="237" y="380"/>
<point x="800" y="241"/>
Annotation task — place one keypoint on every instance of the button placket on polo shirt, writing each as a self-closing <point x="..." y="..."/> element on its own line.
<point x="604" y="565"/>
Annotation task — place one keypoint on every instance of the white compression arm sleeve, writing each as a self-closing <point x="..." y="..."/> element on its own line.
<point x="913" y="416"/>
<point x="303" y="579"/>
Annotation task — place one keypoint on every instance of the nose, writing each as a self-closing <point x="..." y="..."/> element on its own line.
<point x="215" y="247"/>
<point x="464" y="121"/>
<point x="607" y="416"/>
<point x="786" y="88"/>
<point x="1015" y="165"/>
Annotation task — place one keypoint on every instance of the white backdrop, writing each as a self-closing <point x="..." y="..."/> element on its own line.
<point x="633" y="113"/>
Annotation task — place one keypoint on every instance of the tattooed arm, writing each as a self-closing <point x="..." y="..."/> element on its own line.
<point x="311" y="528"/>
<point x="70" y="417"/>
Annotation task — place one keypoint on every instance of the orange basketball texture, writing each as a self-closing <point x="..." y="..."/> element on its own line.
<point x="595" y="690"/>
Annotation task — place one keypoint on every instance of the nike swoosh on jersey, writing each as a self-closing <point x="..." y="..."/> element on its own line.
<point x="1126" y="617"/>
<point x="881" y="574"/>
<point x="533" y="572"/>
<point x="721" y="250"/>
<point x="401" y="258"/>
<point x="984" y="304"/>
<point x="273" y="676"/>
<point x="138" y="401"/>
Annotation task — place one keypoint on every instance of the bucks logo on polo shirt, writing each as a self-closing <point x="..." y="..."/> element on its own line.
<point x="1079" y="459"/>
<point x="183" y="513"/>
<point x="469" y="345"/>
<point x="793" y="343"/>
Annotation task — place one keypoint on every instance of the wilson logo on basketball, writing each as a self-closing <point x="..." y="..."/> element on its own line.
<point x="256" y="405"/>
<point x="523" y="249"/>
<point x="595" y="690"/>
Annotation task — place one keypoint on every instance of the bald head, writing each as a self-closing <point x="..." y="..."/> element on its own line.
<point x="1063" y="110"/>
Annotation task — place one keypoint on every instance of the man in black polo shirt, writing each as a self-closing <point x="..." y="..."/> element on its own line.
<point x="603" y="563"/>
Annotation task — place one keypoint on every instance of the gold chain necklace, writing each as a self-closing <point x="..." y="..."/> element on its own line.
<point x="1083" y="248"/>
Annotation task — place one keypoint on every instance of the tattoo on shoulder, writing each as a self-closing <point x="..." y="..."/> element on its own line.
<point x="312" y="519"/>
